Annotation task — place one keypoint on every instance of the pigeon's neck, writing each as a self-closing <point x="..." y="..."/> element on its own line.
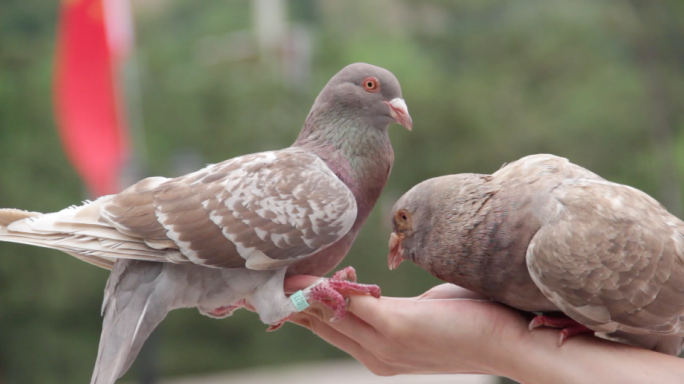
<point x="487" y="237"/>
<point x="467" y="233"/>
<point x="361" y="156"/>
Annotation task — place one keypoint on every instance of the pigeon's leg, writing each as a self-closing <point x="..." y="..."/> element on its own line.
<point x="568" y="326"/>
<point x="329" y="292"/>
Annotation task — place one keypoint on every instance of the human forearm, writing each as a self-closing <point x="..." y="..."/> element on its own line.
<point x="587" y="359"/>
<point x="443" y="332"/>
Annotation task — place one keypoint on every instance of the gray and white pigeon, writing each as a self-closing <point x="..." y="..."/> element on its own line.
<point x="227" y="236"/>
<point x="543" y="235"/>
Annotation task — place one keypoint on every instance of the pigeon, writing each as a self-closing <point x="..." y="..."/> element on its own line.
<point x="227" y="236"/>
<point x="545" y="235"/>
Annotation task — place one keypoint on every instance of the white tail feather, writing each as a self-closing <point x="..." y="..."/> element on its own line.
<point x="81" y="232"/>
<point x="9" y="215"/>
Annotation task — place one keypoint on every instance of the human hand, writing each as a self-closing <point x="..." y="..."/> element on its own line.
<point x="451" y="330"/>
<point x="445" y="330"/>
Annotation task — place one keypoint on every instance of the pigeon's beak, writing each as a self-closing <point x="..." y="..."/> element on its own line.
<point x="396" y="253"/>
<point x="399" y="111"/>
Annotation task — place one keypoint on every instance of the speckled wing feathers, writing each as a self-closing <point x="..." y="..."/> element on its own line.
<point x="612" y="258"/>
<point x="280" y="206"/>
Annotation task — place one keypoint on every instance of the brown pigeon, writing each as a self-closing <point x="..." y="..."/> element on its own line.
<point x="227" y="236"/>
<point x="542" y="235"/>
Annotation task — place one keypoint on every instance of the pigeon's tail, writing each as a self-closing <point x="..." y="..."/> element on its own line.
<point x="9" y="216"/>
<point x="75" y="230"/>
<point x="135" y="303"/>
<point x="79" y="231"/>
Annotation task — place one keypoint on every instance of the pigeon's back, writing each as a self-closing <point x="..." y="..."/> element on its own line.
<point x="612" y="258"/>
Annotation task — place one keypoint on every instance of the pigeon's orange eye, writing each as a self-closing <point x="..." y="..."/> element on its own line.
<point x="371" y="84"/>
<point x="402" y="216"/>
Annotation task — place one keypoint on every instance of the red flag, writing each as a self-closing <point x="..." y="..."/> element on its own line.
<point x="88" y="110"/>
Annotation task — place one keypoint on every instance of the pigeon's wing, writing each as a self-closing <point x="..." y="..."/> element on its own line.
<point x="262" y="211"/>
<point x="542" y="168"/>
<point x="611" y="257"/>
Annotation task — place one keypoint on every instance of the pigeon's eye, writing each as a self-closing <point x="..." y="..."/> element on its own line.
<point x="371" y="84"/>
<point x="402" y="216"/>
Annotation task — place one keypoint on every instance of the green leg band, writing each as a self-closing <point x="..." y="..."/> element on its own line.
<point x="299" y="301"/>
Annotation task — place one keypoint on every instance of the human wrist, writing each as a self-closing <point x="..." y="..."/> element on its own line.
<point x="499" y="349"/>
<point x="526" y="356"/>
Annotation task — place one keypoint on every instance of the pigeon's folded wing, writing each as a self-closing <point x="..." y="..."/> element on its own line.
<point x="260" y="211"/>
<point x="612" y="258"/>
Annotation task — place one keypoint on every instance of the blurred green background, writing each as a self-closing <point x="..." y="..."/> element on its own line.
<point x="486" y="82"/>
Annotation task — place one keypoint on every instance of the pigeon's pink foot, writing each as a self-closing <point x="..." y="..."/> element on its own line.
<point x="228" y="310"/>
<point x="276" y="326"/>
<point x="568" y="326"/>
<point x="346" y="273"/>
<point x="330" y="292"/>
<point x="224" y="311"/>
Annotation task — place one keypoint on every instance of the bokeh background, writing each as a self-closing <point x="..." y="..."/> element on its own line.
<point x="487" y="81"/>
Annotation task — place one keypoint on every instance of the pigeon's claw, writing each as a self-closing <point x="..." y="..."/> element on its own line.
<point x="276" y="326"/>
<point x="227" y="310"/>
<point x="329" y="293"/>
<point x="221" y="312"/>
<point x="346" y="273"/>
<point x="568" y="326"/>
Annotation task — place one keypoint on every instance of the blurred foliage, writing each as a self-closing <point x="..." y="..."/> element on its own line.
<point x="486" y="81"/>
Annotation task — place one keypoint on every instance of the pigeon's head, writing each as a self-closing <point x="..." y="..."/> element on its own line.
<point x="416" y="215"/>
<point x="409" y="214"/>
<point x="366" y="92"/>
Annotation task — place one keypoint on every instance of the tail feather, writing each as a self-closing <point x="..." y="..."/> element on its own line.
<point x="134" y="305"/>
<point x="9" y="215"/>
<point x="81" y="232"/>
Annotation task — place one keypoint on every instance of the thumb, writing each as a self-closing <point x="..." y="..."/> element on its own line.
<point x="295" y="283"/>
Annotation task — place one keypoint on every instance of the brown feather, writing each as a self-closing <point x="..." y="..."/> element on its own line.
<point x="543" y="234"/>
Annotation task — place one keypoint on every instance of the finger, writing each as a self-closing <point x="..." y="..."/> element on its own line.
<point x="450" y="291"/>
<point x="330" y="334"/>
<point x="295" y="283"/>
<point x="378" y="313"/>
<point x="349" y="325"/>
<point x="353" y="327"/>
<point x="302" y="319"/>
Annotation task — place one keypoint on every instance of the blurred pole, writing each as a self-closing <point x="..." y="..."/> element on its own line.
<point x="270" y="29"/>
<point x="283" y="49"/>
<point x="121" y="36"/>
<point x="135" y="168"/>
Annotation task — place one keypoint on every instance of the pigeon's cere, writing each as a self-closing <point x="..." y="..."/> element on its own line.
<point x="545" y="235"/>
<point x="225" y="237"/>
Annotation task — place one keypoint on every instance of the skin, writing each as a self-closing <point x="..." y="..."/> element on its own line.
<point x="452" y="330"/>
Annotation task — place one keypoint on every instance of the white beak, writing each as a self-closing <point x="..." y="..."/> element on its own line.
<point x="399" y="111"/>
